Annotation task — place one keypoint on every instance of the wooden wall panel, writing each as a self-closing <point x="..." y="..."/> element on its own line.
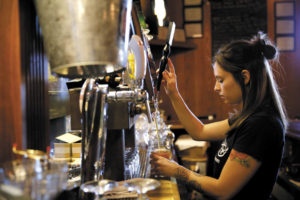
<point x="288" y="73"/>
<point x="174" y="11"/>
<point x="10" y="79"/>
<point x="195" y="78"/>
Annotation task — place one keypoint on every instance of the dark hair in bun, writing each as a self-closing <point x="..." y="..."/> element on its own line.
<point x="263" y="45"/>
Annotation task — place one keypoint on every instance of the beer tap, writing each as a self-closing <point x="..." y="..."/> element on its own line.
<point x="166" y="53"/>
<point x="136" y="96"/>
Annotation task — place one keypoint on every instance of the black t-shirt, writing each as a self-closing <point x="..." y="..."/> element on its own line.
<point x="261" y="136"/>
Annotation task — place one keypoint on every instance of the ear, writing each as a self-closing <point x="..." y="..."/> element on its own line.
<point x="246" y="76"/>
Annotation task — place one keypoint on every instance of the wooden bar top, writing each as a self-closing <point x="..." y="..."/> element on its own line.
<point x="168" y="190"/>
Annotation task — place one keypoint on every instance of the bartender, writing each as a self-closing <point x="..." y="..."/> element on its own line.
<point x="247" y="162"/>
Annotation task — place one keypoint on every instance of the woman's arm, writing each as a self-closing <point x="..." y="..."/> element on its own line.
<point x="197" y="130"/>
<point x="239" y="168"/>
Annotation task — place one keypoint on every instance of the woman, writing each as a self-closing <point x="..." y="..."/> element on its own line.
<point x="248" y="160"/>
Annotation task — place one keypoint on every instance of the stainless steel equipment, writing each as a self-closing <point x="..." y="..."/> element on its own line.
<point x="94" y="107"/>
<point x="104" y="110"/>
<point x="85" y="38"/>
<point x="89" y="39"/>
<point x="122" y="107"/>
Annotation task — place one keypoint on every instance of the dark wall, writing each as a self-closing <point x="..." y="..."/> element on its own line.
<point x="34" y="68"/>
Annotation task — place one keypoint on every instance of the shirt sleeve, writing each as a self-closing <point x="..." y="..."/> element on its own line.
<point x="258" y="136"/>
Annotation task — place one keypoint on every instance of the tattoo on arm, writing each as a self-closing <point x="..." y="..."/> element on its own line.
<point x="195" y="184"/>
<point x="183" y="174"/>
<point x="241" y="158"/>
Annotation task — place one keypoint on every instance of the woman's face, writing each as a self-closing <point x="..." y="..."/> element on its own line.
<point x="227" y="87"/>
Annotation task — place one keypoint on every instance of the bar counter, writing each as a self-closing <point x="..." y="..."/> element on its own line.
<point x="168" y="190"/>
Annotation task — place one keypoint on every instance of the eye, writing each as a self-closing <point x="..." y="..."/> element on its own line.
<point x="220" y="80"/>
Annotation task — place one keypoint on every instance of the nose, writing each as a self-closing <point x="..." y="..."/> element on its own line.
<point x="217" y="87"/>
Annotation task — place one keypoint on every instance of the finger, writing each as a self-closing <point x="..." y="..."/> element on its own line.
<point x="166" y="74"/>
<point x="154" y="156"/>
<point x="171" y="66"/>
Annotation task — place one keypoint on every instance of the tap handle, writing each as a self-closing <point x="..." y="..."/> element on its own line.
<point x="166" y="53"/>
<point x="162" y="66"/>
<point x="147" y="103"/>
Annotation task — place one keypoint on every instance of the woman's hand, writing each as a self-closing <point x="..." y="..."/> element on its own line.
<point x="162" y="166"/>
<point x="170" y="80"/>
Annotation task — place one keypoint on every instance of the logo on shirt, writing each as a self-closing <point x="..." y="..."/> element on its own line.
<point x="224" y="148"/>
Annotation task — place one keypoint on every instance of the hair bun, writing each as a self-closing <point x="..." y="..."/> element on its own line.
<point x="264" y="46"/>
<point x="269" y="52"/>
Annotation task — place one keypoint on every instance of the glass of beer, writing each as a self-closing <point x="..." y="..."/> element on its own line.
<point x="164" y="152"/>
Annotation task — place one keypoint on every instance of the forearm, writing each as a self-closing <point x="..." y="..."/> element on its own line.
<point x="189" y="121"/>
<point x="203" y="184"/>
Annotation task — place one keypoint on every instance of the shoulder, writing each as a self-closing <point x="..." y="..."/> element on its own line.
<point x="263" y="121"/>
<point x="259" y="134"/>
<point x="262" y="126"/>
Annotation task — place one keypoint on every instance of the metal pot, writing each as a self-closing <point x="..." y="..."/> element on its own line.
<point x="85" y="38"/>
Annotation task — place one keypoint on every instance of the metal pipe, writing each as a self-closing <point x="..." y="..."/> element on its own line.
<point x="94" y="108"/>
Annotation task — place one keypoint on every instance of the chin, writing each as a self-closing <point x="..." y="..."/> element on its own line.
<point x="225" y="101"/>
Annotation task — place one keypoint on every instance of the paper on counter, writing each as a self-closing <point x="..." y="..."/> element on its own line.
<point x="185" y="142"/>
<point x="68" y="138"/>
